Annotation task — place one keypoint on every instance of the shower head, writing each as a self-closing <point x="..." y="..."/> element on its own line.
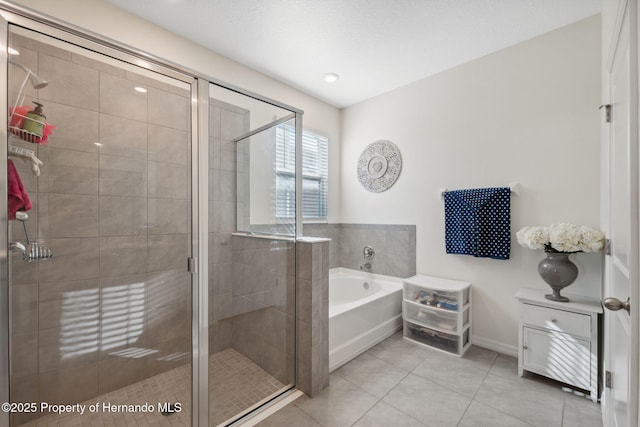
<point x="36" y="81"/>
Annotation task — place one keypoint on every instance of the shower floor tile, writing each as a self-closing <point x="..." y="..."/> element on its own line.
<point x="236" y="384"/>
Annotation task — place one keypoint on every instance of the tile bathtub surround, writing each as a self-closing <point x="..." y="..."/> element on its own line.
<point x="394" y="245"/>
<point x="112" y="306"/>
<point x="312" y="299"/>
<point x="398" y="383"/>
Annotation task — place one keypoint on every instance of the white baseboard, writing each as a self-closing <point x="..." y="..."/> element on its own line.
<point x="509" y="350"/>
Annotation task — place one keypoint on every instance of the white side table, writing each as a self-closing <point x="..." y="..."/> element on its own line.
<point x="559" y="339"/>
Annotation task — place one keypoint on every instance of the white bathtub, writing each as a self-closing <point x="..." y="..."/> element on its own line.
<point x="359" y="318"/>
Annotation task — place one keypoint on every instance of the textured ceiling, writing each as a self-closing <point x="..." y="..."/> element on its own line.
<point x="374" y="45"/>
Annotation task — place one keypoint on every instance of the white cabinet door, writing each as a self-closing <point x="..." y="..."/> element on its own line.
<point x="558" y="356"/>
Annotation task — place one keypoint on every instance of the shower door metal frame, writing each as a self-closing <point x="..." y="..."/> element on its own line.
<point x="200" y="293"/>
<point x="4" y="220"/>
<point x="11" y="15"/>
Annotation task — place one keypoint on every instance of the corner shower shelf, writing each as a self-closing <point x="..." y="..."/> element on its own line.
<point x="437" y="313"/>
<point x="25" y="135"/>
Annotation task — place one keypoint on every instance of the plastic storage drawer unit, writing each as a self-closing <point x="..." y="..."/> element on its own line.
<point x="437" y="313"/>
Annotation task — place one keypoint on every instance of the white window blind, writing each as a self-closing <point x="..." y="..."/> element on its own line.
<point x="314" y="174"/>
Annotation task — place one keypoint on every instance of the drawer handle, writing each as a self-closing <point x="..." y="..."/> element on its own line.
<point x="554" y="320"/>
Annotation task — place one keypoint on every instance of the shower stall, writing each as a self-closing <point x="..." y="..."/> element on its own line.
<point x="150" y="221"/>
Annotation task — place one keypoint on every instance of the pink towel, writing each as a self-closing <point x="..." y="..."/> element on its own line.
<point x="18" y="197"/>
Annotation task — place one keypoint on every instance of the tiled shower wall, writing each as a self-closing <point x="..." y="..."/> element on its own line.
<point x="251" y="279"/>
<point x="226" y="121"/>
<point x="263" y="303"/>
<point x="394" y="245"/>
<point x="113" y="304"/>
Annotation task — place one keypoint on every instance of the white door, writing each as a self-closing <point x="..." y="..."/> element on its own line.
<point x="620" y="400"/>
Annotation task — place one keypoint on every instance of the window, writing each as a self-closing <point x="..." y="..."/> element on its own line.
<point x="314" y="174"/>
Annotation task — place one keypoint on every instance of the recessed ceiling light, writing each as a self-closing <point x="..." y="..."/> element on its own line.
<point x="140" y="89"/>
<point x="12" y="51"/>
<point x="331" y="77"/>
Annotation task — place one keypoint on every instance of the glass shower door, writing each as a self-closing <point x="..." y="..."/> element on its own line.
<point x="251" y="258"/>
<point x="99" y="182"/>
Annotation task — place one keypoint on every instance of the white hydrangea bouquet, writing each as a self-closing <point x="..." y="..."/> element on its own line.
<point x="561" y="238"/>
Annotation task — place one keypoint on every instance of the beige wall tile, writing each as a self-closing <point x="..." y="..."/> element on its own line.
<point x="68" y="171"/>
<point x="168" y="180"/>
<point x="169" y="216"/>
<point x="73" y="344"/>
<point x="123" y="255"/>
<point x="220" y="336"/>
<point x="168" y="145"/>
<point x="118" y="98"/>
<point x="75" y="128"/>
<point x="227" y="186"/>
<point x="168" y="252"/>
<point x="117" y="372"/>
<point x="167" y="323"/>
<point x="214" y="119"/>
<point x="69" y="83"/>
<point x="70" y="385"/>
<point x="24" y="389"/>
<point x="76" y="307"/>
<point x="123" y="216"/>
<point x="123" y="137"/>
<point x="21" y="272"/>
<point x="169" y="110"/>
<point x="23" y="311"/>
<point x="147" y="82"/>
<point x="24" y="42"/>
<point x="167" y="288"/>
<point x="121" y="176"/>
<point x="67" y="216"/>
<point x="28" y="58"/>
<point x="97" y="65"/>
<point x="231" y="125"/>
<point x="123" y="312"/>
<point x="24" y="355"/>
<point x="73" y="259"/>
<point x="58" y="291"/>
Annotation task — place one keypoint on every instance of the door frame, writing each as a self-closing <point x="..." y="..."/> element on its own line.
<point x="4" y="220"/>
<point x="609" y="46"/>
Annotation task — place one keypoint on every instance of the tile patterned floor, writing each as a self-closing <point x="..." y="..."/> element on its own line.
<point x="394" y="384"/>
<point x="236" y="382"/>
<point x="400" y="384"/>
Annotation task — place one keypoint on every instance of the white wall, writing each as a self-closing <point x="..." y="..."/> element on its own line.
<point x="107" y="20"/>
<point x="528" y="113"/>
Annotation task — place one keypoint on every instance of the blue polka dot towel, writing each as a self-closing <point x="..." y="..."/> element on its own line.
<point x="478" y="222"/>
